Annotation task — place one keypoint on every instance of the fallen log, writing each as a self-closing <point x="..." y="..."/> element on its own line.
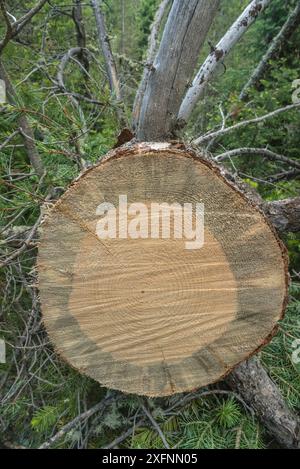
<point x="147" y="308"/>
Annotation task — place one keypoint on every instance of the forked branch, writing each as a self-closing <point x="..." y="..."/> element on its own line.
<point x="14" y="28"/>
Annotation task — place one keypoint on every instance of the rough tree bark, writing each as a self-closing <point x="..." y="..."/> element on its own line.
<point x="260" y="392"/>
<point x="284" y="214"/>
<point x="152" y="47"/>
<point x="287" y="29"/>
<point x="222" y="49"/>
<point x="173" y="66"/>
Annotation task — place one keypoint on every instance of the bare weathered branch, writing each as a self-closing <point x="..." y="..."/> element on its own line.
<point x="81" y="417"/>
<point x="261" y="393"/>
<point x="152" y="47"/>
<point x="111" y="69"/>
<point x="225" y="45"/>
<point x="260" y="152"/>
<point x="9" y="30"/>
<point x="9" y="138"/>
<point x="31" y="148"/>
<point x="287" y="29"/>
<point x="74" y="51"/>
<point x="16" y="235"/>
<point x="283" y="214"/>
<point x="156" y="426"/>
<point x="21" y="22"/>
<point x="284" y="176"/>
<point x="13" y="29"/>
<point x="104" y="43"/>
<point x="24" y="244"/>
<point x="184" y="34"/>
<point x="124" y="435"/>
<point x="219" y="133"/>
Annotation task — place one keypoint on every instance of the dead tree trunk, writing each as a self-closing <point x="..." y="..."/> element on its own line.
<point x="287" y="29"/>
<point x="173" y="66"/>
<point x="152" y="48"/>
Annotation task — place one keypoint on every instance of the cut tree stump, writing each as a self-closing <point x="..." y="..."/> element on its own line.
<point x="148" y="316"/>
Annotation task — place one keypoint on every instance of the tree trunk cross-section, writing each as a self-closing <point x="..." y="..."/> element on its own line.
<point x="149" y="316"/>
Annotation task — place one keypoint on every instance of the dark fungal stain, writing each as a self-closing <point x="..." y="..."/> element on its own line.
<point x="255" y="10"/>
<point x="218" y="54"/>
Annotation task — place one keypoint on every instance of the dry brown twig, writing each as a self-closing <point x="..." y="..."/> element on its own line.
<point x="156" y="426"/>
